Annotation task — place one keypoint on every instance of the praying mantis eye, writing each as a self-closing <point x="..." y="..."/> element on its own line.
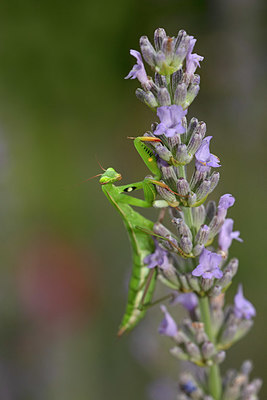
<point x="130" y="189"/>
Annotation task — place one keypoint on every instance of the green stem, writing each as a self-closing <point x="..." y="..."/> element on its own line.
<point x="215" y="386"/>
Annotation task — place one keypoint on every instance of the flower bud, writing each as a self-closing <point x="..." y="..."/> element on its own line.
<point x="197" y="250"/>
<point x="181" y="337"/>
<point x="183" y="229"/>
<point x="210" y="210"/>
<point x="233" y="266"/>
<point x="246" y="367"/>
<point x="197" y="178"/>
<point x="182" y="155"/>
<point x="193" y="283"/>
<point x="171" y="275"/>
<point x="216" y="291"/>
<point x="219" y="357"/>
<point x="167" y="196"/>
<point x="181" y="34"/>
<point x="184" y="123"/>
<point x="215" y="226"/>
<point x="193" y="351"/>
<point x="192" y="125"/>
<point x="164" y="97"/>
<point x="160" y="229"/>
<point x="181" y="47"/>
<point x="226" y="279"/>
<point x="163" y="152"/>
<point x="176" y="79"/>
<point x="252" y="389"/>
<point x="191" y="95"/>
<point x="182" y="187"/>
<point x="187" y="79"/>
<point x="180" y="94"/>
<point x="167" y="47"/>
<point x="160" y="80"/>
<point x="201" y="129"/>
<point x="203" y="190"/>
<point x="184" y="283"/>
<point x="214" y="180"/>
<point x="229" y="334"/>
<point x="147" y="97"/>
<point x="192" y="198"/>
<point x="208" y="350"/>
<point x="179" y="353"/>
<point x="200" y="334"/>
<point x="173" y="142"/>
<point x="147" y="50"/>
<point x="206" y="284"/>
<point x="159" y="35"/>
<point x="199" y="215"/>
<point x="186" y="244"/>
<point x="194" y="143"/>
<point x="202" y="235"/>
<point x="169" y="177"/>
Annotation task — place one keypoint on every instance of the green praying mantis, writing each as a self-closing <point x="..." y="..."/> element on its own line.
<point x="142" y="282"/>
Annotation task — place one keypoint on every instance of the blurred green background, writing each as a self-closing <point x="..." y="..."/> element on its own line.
<point x="65" y="256"/>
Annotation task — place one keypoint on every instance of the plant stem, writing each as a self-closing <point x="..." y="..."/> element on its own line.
<point x="215" y="386"/>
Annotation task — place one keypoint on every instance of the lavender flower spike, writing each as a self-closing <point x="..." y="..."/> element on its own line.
<point x="226" y="201"/>
<point x="157" y="259"/>
<point x="227" y="235"/>
<point x="138" y="71"/>
<point x="170" y="120"/>
<point x="243" y="308"/>
<point x="208" y="265"/>
<point x="167" y="326"/>
<point x="204" y="158"/>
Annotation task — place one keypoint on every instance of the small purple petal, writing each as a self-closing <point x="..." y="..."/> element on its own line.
<point x="208" y="265"/>
<point x="227" y="235"/>
<point x="170" y="120"/>
<point x="157" y="259"/>
<point x="192" y="62"/>
<point x="167" y="326"/>
<point x="217" y="273"/>
<point x="204" y="158"/>
<point x="242" y="307"/>
<point x="138" y="71"/>
<point x="187" y="300"/>
<point x="226" y="201"/>
<point x="191" y="45"/>
<point x="198" y="271"/>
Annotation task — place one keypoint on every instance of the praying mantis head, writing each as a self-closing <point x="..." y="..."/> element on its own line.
<point x="109" y="176"/>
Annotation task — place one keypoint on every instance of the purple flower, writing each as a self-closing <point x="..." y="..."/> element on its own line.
<point x="170" y="120"/>
<point x="227" y="235"/>
<point x="192" y="60"/>
<point x="188" y="300"/>
<point x="243" y="308"/>
<point x="138" y="71"/>
<point x="226" y="201"/>
<point x="157" y="259"/>
<point x="167" y="326"/>
<point x="208" y="265"/>
<point x="204" y="159"/>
